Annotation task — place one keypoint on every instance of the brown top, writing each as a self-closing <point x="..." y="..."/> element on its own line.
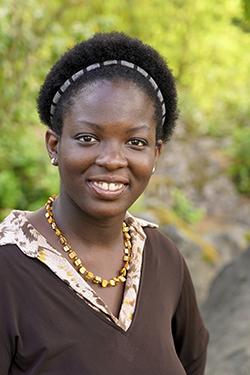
<point x="45" y="328"/>
<point x="16" y="229"/>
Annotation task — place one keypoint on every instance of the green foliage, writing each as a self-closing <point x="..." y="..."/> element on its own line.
<point x="207" y="49"/>
<point x="138" y="206"/>
<point x="181" y="208"/>
<point x="246" y="8"/>
<point x="184" y="208"/>
<point x="26" y="177"/>
<point x="240" y="154"/>
<point x="247" y="237"/>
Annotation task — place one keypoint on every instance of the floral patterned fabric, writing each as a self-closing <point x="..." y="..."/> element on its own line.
<point x="16" y="229"/>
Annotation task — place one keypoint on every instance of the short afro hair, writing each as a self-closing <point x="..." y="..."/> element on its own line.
<point x="102" y="47"/>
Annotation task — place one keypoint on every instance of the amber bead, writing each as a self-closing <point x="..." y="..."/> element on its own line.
<point x="123" y="271"/>
<point x="66" y="248"/>
<point x="112" y="282"/>
<point x="105" y="283"/>
<point x="128" y="244"/>
<point x="97" y="280"/>
<point x="77" y="262"/>
<point x="72" y="254"/>
<point x="63" y="240"/>
<point x="127" y="266"/>
<point x="82" y="270"/>
<point x="89" y="276"/>
<point x="122" y="279"/>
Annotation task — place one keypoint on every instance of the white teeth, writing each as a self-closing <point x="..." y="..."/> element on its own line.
<point x="108" y="186"/>
<point x="105" y="185"/>
<point x="112" y="186"/>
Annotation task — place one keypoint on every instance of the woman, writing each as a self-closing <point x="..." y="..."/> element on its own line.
<point x="85" y="287"/>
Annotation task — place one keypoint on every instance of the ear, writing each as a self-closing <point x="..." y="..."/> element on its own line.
<point x="158" y="149"/>
<point x="52" y="141"/>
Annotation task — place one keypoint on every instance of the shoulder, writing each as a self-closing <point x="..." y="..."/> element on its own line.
<point x="10" y="227"/>
<point x="150" y="231"/>
<point x="15" y="229"/>
<point x="9" y="235"/>
<point x="155" y="234"/>
<point x="157" y="243"/>
<point x="16" y="240"/>
<point x="13" y="266"/>
<point x="163" y="245"/>
<point x="10" y="258"/>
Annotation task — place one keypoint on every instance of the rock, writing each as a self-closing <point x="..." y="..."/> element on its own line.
<point x="230" y="241"/>
<point x="188" y="247"/>
<point x="201" y="271"/>
<point x="227" y="316"/>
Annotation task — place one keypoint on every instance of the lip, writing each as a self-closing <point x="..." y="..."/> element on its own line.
<point x="106" y="194"/>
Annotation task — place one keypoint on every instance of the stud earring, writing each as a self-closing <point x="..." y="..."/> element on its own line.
<point x="53" y="161"/>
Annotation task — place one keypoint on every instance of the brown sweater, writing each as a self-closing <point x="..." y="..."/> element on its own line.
<point x="46" y="329"/>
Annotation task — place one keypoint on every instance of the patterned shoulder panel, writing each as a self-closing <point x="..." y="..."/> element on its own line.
<point x="16" y="229"/>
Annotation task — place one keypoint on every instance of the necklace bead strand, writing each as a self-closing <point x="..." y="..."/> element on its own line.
<point x="77" y="262"/>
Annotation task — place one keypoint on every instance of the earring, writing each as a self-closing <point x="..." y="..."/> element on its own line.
<point x="153" y="170"/>
<point x="53" y="161"/>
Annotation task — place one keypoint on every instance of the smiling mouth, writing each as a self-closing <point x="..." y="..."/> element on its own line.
<point x="107" y="190"/>
<point x="108" y="186"/>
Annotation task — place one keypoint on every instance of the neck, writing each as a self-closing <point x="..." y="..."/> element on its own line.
<point x="81" y="227"/>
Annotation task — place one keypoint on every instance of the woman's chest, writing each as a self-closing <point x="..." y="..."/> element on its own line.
<point x="63" y="333"/>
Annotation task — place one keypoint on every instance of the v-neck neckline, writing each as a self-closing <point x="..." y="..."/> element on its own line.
<point x="101" y="315"/>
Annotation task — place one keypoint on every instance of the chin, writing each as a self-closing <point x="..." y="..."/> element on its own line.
<point x="104" y="210"/>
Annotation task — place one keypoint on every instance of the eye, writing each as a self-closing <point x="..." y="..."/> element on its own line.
<point x="86" y="138"/>
<point x="137" y="142"/>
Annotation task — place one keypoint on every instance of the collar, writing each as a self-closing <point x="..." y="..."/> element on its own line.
<point x="16" y="229"/>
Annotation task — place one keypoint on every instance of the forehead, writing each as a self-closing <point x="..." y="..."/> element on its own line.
<point x="104" y="101"/>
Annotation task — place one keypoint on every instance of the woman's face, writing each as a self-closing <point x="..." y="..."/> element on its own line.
<point x="107" y="148"/>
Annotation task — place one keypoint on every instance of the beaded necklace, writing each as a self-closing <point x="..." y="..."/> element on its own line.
<point x="77" y="262"/>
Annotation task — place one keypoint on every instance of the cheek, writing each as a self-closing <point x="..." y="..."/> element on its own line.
<point x="72" y="158"/>
<point x="144" y="161"/>
<point x="70" y="168"/>
<point x="143" y="165"/>
<point x="143" y="173"/>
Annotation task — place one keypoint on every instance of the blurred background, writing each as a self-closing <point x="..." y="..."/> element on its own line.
<point x="200" y="194"/>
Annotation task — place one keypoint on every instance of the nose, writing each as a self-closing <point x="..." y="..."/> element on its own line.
<point x="111" y="156"/>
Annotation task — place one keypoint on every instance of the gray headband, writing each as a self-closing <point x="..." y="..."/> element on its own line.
<point x="81" y="72"/>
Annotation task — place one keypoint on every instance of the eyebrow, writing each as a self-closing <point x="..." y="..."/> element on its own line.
<point x="99" y="127"/>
